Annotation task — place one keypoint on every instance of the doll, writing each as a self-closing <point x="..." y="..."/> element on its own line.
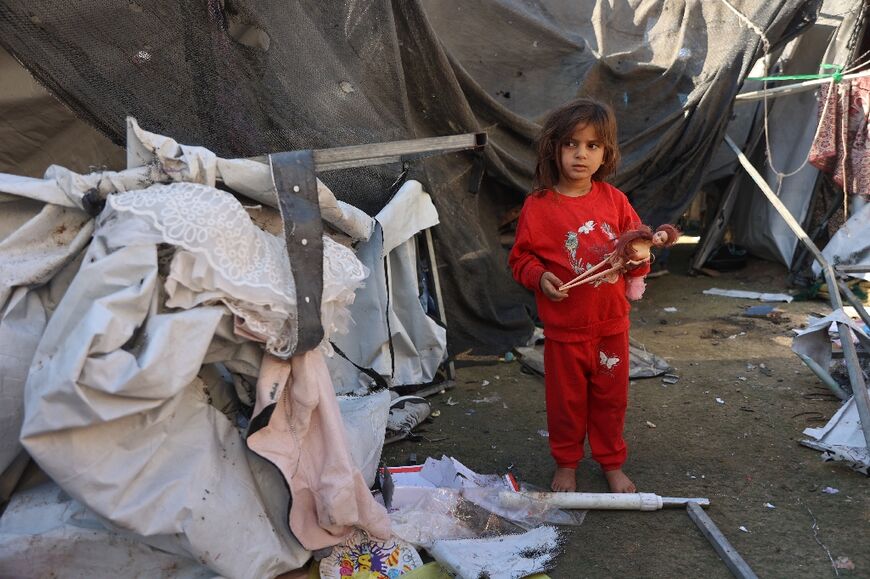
<point x="632" y="250"/>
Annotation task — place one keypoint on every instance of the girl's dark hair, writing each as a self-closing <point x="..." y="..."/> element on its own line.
<point x="559" y="127"/>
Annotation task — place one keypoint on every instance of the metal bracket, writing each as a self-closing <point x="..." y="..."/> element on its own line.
<point x="296" y="185"/>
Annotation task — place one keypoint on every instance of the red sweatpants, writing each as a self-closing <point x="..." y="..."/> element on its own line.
<point x="587" y="394"/>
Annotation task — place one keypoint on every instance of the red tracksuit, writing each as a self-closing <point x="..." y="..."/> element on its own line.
<point x="586" y="349"/>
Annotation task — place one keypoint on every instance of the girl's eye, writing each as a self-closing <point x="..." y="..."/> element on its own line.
<point x="570" y="144"/>
<point x="594" y="146"/>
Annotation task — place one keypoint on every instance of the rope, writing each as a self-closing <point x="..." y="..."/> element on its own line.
<point x="836" y="77"/>
<point x="743" y="18"/>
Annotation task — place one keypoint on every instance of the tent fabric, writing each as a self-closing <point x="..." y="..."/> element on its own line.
<point x="44" y="532"/>
<point x="37" y="130"/>
<point x="850" y="245"/>
<point x="113" y="405"/>
<point x="323" y="75"/>
<point x="755" y="223"/>
<point x="392" y="333"/>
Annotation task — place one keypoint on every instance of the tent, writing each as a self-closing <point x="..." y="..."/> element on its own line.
<point x="247" y="78"/>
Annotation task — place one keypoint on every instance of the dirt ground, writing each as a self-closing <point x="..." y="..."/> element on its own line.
<point x="742" y="454"/>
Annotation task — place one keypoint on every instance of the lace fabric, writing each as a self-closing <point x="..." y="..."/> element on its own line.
<point x="224" y="257"/>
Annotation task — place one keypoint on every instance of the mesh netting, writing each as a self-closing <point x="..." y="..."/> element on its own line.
<point x="247" y="77"/>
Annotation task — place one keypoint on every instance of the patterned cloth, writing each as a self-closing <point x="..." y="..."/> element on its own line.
<point x="841" y="145"/>
<point x="223" y="257"/>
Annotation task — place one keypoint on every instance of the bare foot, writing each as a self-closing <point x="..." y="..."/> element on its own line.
<point x="564" y="480"/>
<point x="618" y="481"/>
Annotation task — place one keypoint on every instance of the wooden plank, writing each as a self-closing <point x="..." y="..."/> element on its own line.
<point x="852" y="268"/>
<point x="729" y="555"/>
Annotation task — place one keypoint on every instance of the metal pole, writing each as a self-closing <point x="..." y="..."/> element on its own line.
<point x="856" y="376"/>
<point x="735" y="563"/>
<point x="603" y="501"/>
<point x="856" y="303"/>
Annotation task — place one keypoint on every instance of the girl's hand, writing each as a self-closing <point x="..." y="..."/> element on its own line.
<point x="550" y="285"/>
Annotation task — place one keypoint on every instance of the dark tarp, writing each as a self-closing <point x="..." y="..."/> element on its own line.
<point x="246" y="77"/>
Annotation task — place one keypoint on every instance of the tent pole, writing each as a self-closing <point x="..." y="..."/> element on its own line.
<point x="850" y="355"/>
<point x="793" y="88"/>
<point x="436" y="278"/>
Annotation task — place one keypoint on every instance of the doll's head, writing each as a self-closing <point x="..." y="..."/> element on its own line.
<point x="665" y="235"/>
<point x="640" y="238"/>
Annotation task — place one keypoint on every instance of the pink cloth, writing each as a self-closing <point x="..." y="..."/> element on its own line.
<point x="306" y="440"/>
<point x="842" y="146"/>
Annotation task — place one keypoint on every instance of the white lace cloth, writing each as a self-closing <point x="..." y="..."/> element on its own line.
<point x="223" y="256"/>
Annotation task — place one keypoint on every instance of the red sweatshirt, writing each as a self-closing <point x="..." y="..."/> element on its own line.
<point x="565" y="236"/>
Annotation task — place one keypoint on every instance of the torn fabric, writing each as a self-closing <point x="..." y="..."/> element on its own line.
<point x="297" y="426"/>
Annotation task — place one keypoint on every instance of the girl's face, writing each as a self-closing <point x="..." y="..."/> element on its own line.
<point x="580" y="156"/>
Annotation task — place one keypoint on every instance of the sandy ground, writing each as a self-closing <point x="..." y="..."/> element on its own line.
<point x="741" y="454"/>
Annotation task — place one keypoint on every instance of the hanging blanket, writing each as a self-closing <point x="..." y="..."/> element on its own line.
<point x="841" y="145"/>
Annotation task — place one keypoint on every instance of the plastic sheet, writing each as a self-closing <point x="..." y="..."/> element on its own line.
<point x="509" y="557"/>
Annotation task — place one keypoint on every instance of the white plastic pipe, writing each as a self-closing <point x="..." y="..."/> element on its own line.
<point x="593" y="501"/>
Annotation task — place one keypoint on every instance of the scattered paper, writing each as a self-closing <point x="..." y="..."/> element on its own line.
<point x="485" y="383"/>
<point x="650" y="424"/>
<point x="670" y="309"/>
<point x="544" y="433"/>
<point x="769" y="506"/>
<point x="451" y="401"/>
<point x="765" y="297"/>
<point x="830" y="490"/>
<point x="720" y="401"/>
<point x="744" y="529"/>
<point x="487" y="399"/>
<point x="844" y="563"/>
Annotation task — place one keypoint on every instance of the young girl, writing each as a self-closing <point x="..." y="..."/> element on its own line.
<point x="569" y="223"/>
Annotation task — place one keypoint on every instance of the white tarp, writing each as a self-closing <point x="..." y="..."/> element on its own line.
<point x="113" y="406"/>
<point x="389" y="304"/>
<point x="46" y="533"/>
<point x="850" y="244"/>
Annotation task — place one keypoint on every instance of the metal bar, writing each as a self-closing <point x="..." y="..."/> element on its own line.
<point x="856" y="376"/>
<point x="825" y="377"/>
<point x="436" y="279"/>
<point x="793" y="88"/>
<point x="668" y="502"/>
<point x="391" y="152"/>
<point x="296" y="186"/>
<point x="729" y="555"/>
<point x="854" y="302"/>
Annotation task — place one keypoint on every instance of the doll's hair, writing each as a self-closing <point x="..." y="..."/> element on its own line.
<point x="641" y="231"/>
<point x="638" y="231"/>
<point x="558" y="128"/>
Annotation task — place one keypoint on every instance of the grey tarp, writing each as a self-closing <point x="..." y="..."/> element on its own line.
<point x="327" y="74"/>
<point x="792" y="122"/>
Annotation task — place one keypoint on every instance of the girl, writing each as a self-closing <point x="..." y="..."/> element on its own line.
<point x="569" y="223"/>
